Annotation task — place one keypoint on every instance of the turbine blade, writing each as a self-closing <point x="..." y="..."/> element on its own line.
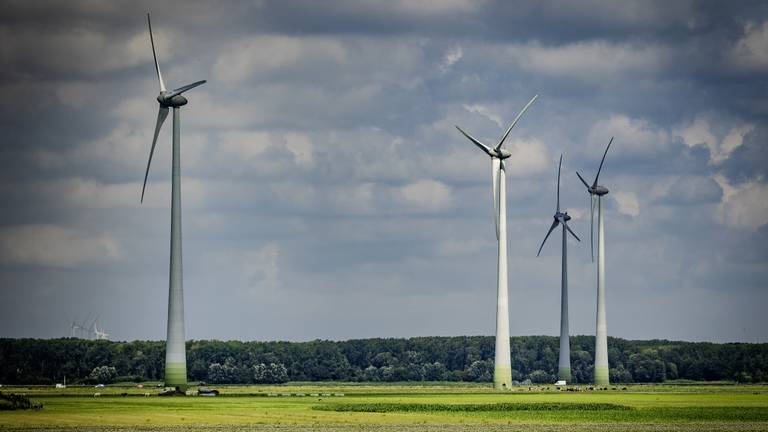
<point x="154" y="54"/>
<point x="601" y="162"/>
<point x="495" y="168"/>
<point x="582" y="179"/>
<point x="514" y="122"/>
<point x="551" y="228"/>
<point x="161" y="115"/>
<point x="182" y="89"/>
<point x="565" y="224"/>
<point x="592" y="227"/>
<point x="558" y="182"/>
<point x="482" y="146"/>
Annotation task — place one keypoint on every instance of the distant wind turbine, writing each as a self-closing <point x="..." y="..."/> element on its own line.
<point x="502" y="373"/>
<point x="175" y="353"/>
<point x="601" y="333"/>
<point x="564" y="365"/>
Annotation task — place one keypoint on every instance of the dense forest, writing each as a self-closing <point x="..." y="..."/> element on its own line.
<point x="470" y="358"/>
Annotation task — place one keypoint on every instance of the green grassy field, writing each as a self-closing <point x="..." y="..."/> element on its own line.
<point x="430" y="407"/>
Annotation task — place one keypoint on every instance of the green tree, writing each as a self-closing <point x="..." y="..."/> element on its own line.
<point x="480" y="370"/>
<point x="541" y="377"/>
<point x="103" y="375"/>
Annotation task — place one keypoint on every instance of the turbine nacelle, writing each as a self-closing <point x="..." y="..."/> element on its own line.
<point x="597" y="190"/>
<point x="167" y="99"/>
<point x="501" y="153"/>
<point x="562" y="217"/>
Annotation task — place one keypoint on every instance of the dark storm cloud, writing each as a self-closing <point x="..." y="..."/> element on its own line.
<point x="324" y="181"/>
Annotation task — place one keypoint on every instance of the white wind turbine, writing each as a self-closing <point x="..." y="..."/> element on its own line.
<point x="601" y="333"/>
<point x="564" y="365"/>
<point x="175" y="353"/>
<point x="502" y="373"/>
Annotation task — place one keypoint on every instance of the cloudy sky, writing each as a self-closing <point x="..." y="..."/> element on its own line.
<point x="326" y="193"/>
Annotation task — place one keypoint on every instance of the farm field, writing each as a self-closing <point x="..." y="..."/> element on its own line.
<point x="391" y="407"/>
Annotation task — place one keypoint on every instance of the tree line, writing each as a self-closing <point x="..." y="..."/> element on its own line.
<point x="464" y="358"/>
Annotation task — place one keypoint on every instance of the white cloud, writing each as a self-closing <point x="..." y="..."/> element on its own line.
<point x="628" y="203"/>
<point x="744" y="205"/>
<point x="300" y="146"/>
<point x="638" y="137"/>
<point x="699" y="132"/>
<point x="451" y="57"/>
<point x="244" y="146"/>
<point x="55" y="246"/>
<point x="486" y="112"/>
<point x="426" y="195"/>
<point x="529" y="157"/>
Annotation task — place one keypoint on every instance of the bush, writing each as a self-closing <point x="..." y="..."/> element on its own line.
<point x="10" y="402"/>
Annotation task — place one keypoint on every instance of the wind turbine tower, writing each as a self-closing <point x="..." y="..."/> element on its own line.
<point x="601" y="333"/>
<point x="502" y="373"/>
<point x="564" y="365"/>
<point x="175" y="353"/>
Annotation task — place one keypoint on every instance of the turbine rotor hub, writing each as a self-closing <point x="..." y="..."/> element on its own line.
<point x="598" y="190"/>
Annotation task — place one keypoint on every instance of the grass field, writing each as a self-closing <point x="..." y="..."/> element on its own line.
<point x="431" y="407"/>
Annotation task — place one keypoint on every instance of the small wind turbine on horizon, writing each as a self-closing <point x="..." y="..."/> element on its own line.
<point x="601" y="332"/>
<point x="502" y="373"/>
<point x="100" y="334"/>
<point x="564" y="365"/>
<point x="175" y="353"/>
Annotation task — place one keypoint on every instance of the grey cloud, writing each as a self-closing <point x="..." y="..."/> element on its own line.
<point x="692" y="190"/>
<point x="324" y="181"/>
<point x="749" y="160"/>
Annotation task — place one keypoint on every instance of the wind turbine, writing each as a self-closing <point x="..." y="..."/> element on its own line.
<point x="73" y="326"/>
<point x="601" y="333"/>
<point x="502" y="373"/>
<point x="175" y="353"/>
<point x="100" y="334"/>
<point x="564" y="366"/>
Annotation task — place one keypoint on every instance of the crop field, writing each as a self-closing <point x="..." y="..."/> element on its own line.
<point x="394" y="407"/>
